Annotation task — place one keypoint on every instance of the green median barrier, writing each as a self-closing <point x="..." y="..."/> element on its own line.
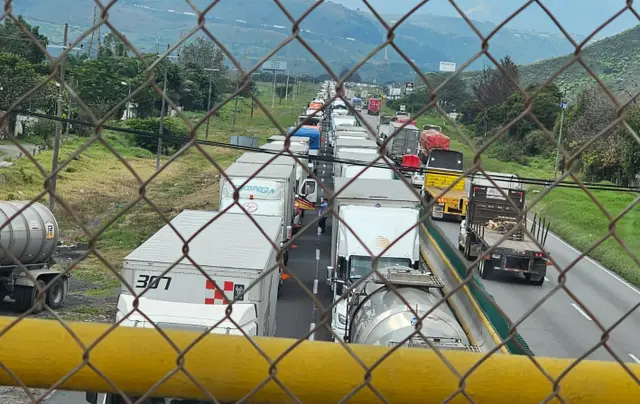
<point x="487" y="303"/>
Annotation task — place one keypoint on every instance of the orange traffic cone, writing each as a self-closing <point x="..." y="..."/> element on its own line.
<point x="293" y="246"/>
<point x="285" y="276"/>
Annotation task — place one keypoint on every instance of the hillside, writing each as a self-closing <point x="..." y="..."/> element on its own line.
<point x="615" y="60"/>
<point x="592" y="13"/>
<point x="339" y="35"/>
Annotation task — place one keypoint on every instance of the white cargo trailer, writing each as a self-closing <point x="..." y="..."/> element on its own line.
<point x="341" y="144"/>
<point x="266" y="191"/>
<point x="230" y="252"/>
<point x="267" y="158"/>
<point x="348" y="167"/>
<point x="293" y="139"/>
<point x="308" y="187"/>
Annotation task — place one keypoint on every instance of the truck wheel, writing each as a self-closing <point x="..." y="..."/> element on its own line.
<point x="486" y="271"/>
<point x="539" y="282"/>
<point x="25" y="298"/>
<point x="57" y="293"/>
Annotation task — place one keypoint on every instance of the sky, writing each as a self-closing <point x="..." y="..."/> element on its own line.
<point x="576" y="16"/>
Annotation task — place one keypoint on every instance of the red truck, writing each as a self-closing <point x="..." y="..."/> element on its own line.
<point x="374" y="106"/>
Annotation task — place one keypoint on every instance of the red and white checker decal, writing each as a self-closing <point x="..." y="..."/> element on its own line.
<point x="218" y="297"/>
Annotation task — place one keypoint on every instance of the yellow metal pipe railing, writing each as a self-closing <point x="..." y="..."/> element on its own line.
<point x="42" y="352"/>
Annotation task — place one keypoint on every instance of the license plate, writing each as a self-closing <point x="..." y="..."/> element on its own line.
<point x="437" y="215"/>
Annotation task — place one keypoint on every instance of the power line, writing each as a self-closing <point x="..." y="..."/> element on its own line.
<point x="329" y="159"/>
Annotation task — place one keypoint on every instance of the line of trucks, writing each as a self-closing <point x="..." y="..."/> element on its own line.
<point x="189" y="287"/>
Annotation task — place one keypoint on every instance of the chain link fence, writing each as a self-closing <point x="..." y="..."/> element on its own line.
<point x="92" y="230"/>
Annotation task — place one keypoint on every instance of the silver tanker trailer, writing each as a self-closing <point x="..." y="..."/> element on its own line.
<point x="29" y="237"/>
<point x="377" y="314"/>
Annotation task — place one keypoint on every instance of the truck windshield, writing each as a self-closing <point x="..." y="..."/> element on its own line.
<point x="446" y="159"/>
<point x="360" y="266"/>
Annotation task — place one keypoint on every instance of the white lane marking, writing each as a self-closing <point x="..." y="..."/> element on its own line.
<point x="312" y="337"/>
<point x="635" y="358"/>
<point x="315" y="287"/>
<point x="585" y="315"/>
<point x="595" y="263"/>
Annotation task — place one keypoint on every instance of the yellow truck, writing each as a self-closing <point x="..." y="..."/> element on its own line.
<point x="443" y="168"/>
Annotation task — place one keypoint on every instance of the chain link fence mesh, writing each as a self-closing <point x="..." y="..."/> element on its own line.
<point x="144" y="182"/>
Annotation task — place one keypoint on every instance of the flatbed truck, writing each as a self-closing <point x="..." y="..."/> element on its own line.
<point x="490" y="218"/>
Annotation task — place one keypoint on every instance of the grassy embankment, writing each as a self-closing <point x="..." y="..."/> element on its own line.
<point x="98" y="187"/>
<point x="574" y="216"/>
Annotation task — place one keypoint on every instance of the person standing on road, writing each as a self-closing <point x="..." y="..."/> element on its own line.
<point x="323" y="220"/>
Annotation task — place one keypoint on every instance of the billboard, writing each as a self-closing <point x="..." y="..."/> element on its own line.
<point x="274" y="65"/>
<point x="447" y="67"/>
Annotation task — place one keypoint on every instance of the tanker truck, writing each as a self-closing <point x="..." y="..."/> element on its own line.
<point x="378" y="315"/>
<point x="30" y="234"/>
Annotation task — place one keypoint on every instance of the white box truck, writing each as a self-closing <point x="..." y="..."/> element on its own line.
<point x="293" y="139"/>
<point x="343" y="144"/>
<point x="267" y="158"/>
<point x="307" y="187"/>
<point x="350" y="164"/>
<point x="233" y="254"/>
<point x="379" y="212"/>
<point x="263" y="191"/>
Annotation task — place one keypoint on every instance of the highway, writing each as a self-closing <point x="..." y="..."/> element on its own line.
<point x="295" y="306"/>
<point x="560" y="327"/>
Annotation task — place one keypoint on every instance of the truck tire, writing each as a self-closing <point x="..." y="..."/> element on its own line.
<point x="486" y="271"/>
<point x="25" y="298"/>
<point x="539" y="282"/>
<point x="57" y="292"/>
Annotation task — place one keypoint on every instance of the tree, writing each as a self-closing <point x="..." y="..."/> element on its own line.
<point x="282" y="91"/>
<point x="171" y="127"/>
<point x="203" y="54"/>
<point x="18" y="76"/>
<point x="493" y="86"/>
<point x="453" y="94"/>
<point x="14" y="40"/>
<point x="112" y="46"/>
<point x="355" y="77"/>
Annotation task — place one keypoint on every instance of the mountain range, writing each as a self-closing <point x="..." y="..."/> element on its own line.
<point x="579" y="17"/>
<point x="340" y="35"/>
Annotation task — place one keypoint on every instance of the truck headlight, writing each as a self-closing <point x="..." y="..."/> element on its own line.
<point x="342" y="319"/>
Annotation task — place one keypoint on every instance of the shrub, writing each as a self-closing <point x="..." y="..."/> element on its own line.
<point x="172" y="127"/>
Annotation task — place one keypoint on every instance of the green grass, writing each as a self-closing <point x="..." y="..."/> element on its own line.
<point x="573" y="215"/>
<point x="221" y="127"/>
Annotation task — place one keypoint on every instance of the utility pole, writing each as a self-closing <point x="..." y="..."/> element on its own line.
<point x="66" y="131"/>
<point x="563" y="105"/>
<point x="286" y="89"/>
<point x="96" y="21"/>
<point x="210" y="70"/>
<point x="161" y="130"/>
<point x="56" y="144"/>
<point x="273" y="98"/>
<point x="235" y="107"/>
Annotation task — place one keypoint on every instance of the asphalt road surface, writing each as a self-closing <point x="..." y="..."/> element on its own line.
<point x="560" y="327"/>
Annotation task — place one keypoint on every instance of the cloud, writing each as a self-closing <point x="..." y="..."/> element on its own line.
<point x="479" y="7"/>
